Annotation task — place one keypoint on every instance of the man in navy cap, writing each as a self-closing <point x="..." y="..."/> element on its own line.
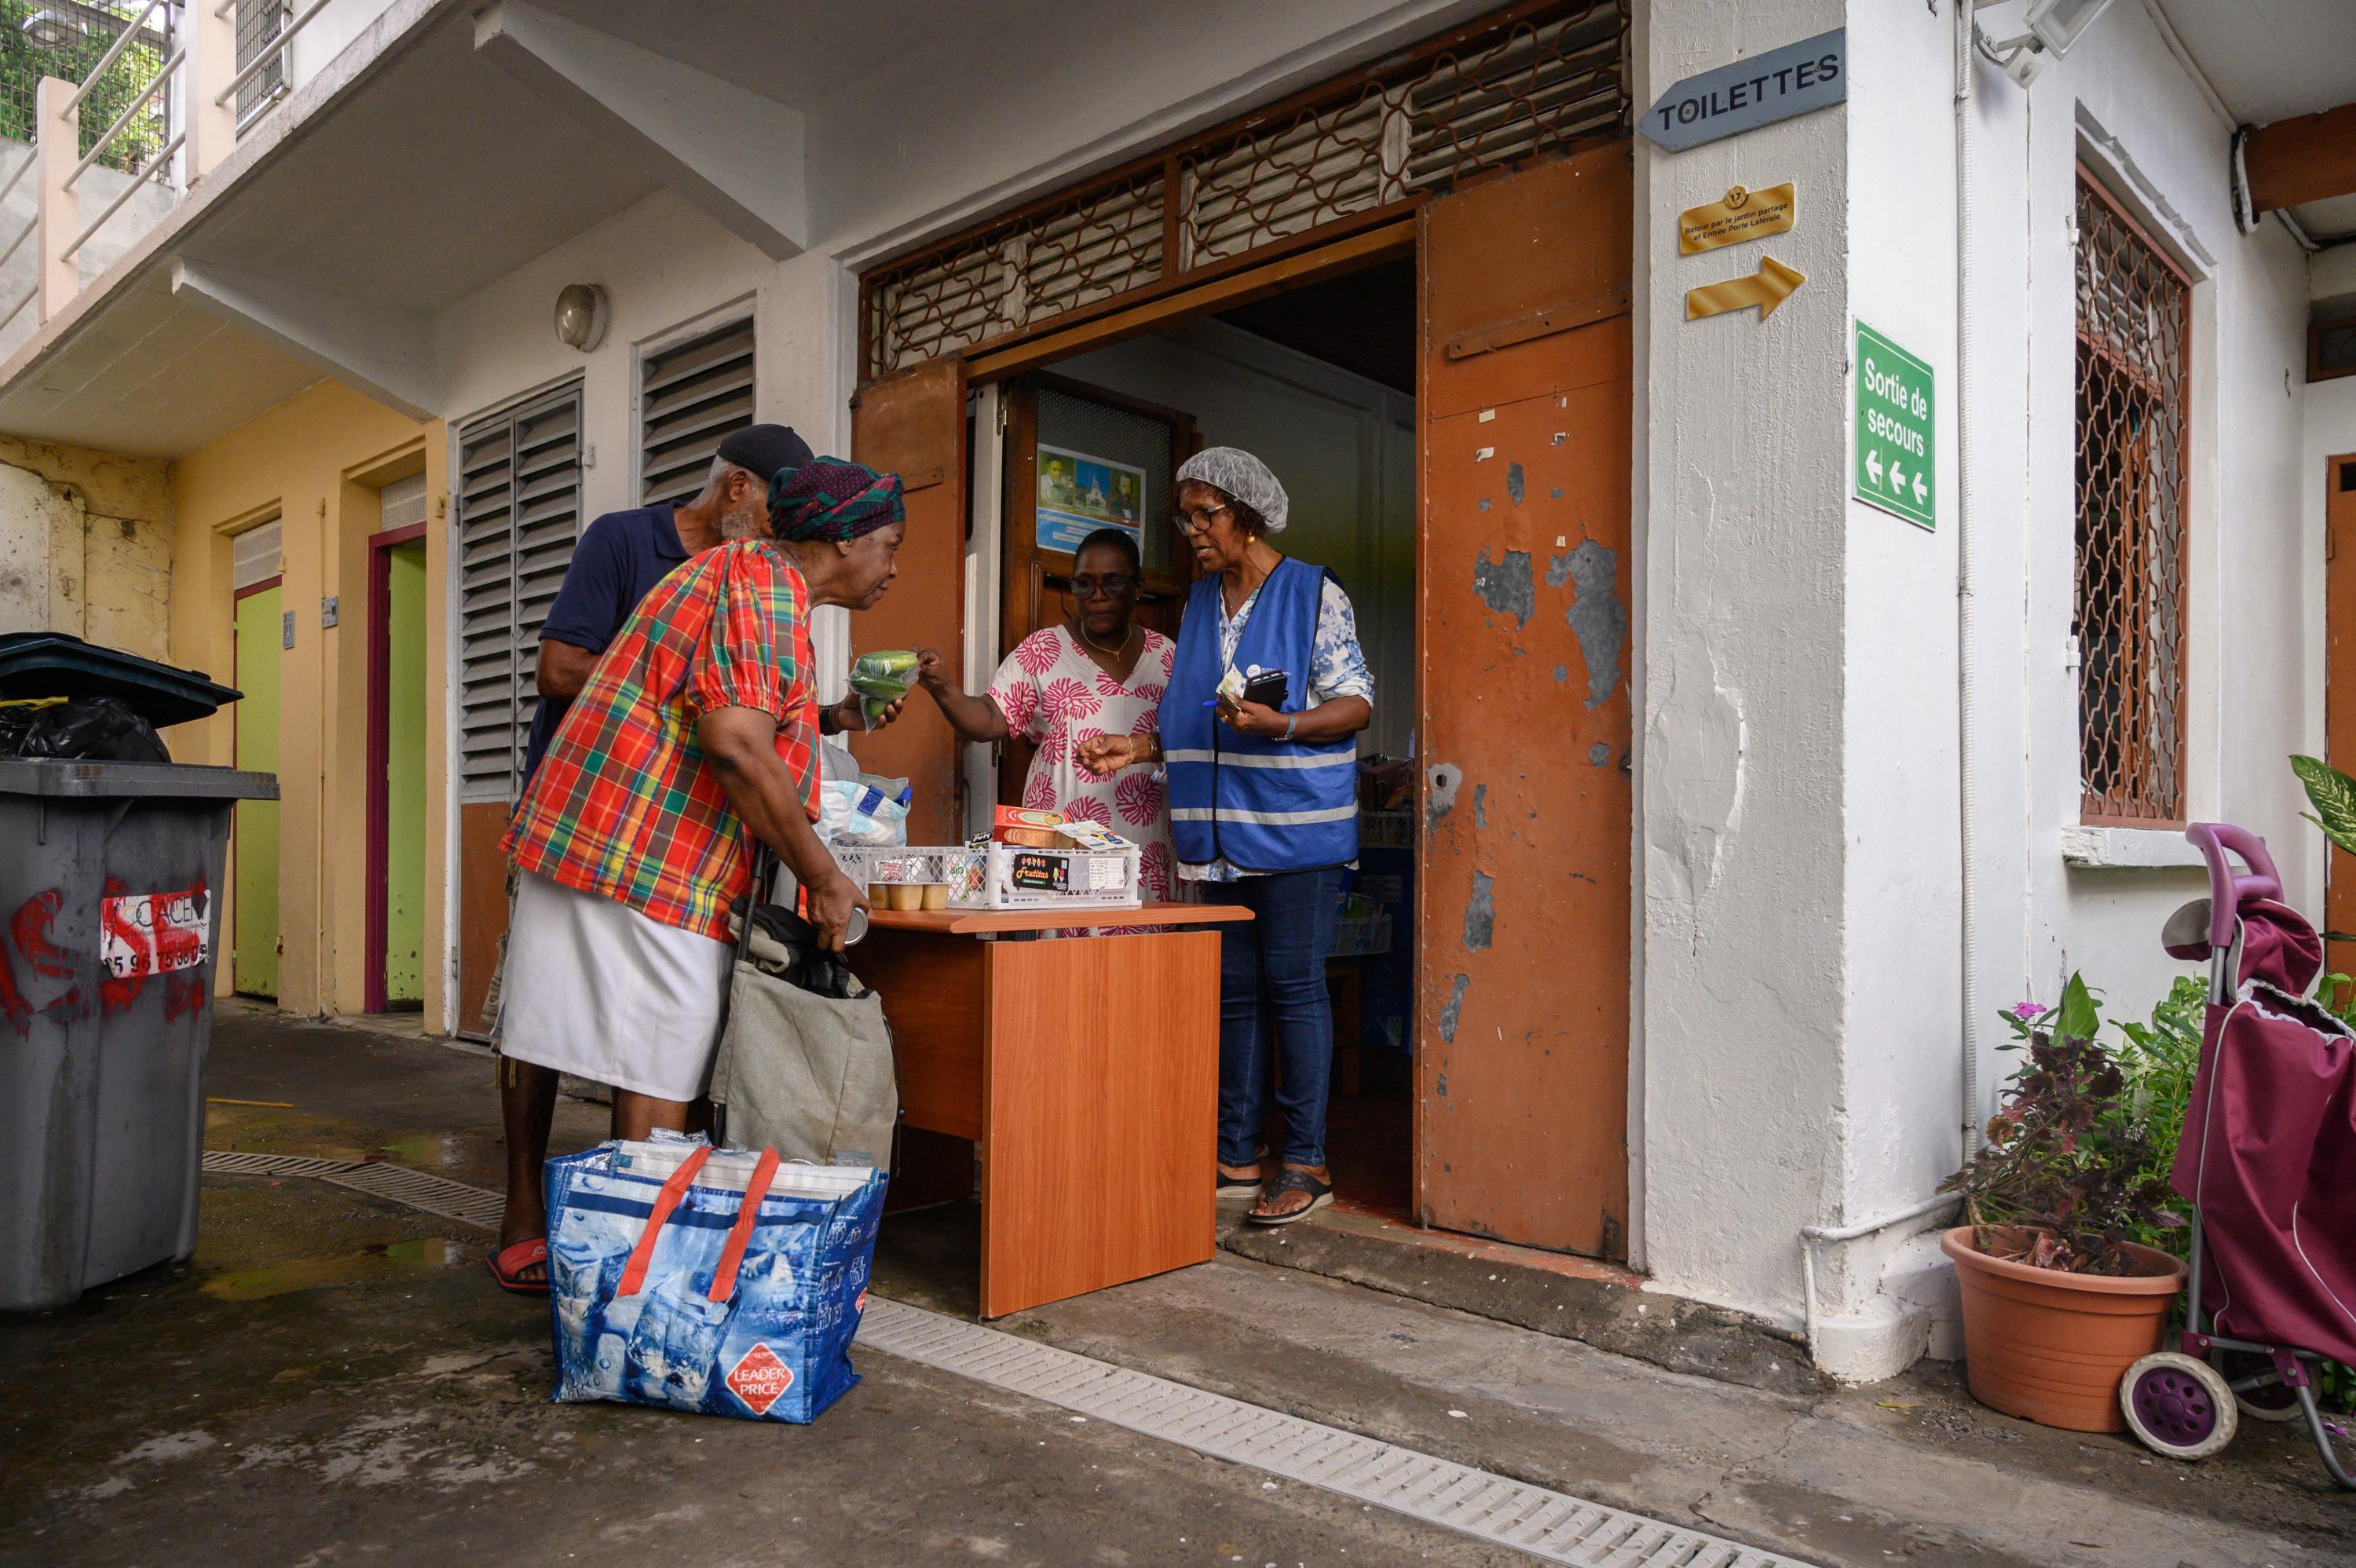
<point x="615" y="564"/>
<point x="625" y="554"/>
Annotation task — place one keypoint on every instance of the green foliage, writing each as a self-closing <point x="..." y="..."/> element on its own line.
<point x="2333" y="795"/>
<point x="2069" y="1157"/>
<point x="22" y="66"/>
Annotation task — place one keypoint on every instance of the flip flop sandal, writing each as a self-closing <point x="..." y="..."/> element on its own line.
<point x="507" y="1266"/>
<point x="1320" y="1193"/>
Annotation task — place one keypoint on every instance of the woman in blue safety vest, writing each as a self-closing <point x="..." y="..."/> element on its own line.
<point x="1263" y="802"/>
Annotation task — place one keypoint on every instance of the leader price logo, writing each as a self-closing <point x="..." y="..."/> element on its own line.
<point x="759" y="1377"/>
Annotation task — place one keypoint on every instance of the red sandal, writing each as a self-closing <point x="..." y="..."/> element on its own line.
<point x="507" y="1266"/>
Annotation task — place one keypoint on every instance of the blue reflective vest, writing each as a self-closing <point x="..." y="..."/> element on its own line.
<point x="1261" y="804"/>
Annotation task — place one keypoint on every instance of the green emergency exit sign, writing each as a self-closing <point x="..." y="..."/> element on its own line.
<point x="1896" y="409"/>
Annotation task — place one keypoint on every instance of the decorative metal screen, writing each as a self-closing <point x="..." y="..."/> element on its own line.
<point x="518" y="512"/>
<point x="2134" y="311"/>
<point x="258" y="24"/>
<point x="1531" y="81"/>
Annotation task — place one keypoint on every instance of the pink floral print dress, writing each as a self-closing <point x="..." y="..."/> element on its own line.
<point x="1056" y="696"/>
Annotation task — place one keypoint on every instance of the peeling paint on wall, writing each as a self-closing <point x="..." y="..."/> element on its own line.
<point x="1440" y="798"/>
<point x="1597" y="616"/>
<point x="1514" y="482"/>
<point x="1598" y="755"/>
<point x="1505" y="586"/>
<point x="1481" y="913"/>
<point x="1480" y="806"/>
<point x="1452" y="1008"/>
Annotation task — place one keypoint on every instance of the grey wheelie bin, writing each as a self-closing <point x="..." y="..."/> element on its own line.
<point x="110" y="925"/>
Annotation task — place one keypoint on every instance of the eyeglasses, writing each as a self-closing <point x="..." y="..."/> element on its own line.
<point x="1194" y="522"/>
<point x="1110" y="586"/>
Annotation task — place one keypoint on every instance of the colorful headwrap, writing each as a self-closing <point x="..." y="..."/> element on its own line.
<point x="828" y="499"/>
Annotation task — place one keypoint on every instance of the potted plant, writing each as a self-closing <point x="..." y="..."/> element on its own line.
<point x="2057" y="1299"/>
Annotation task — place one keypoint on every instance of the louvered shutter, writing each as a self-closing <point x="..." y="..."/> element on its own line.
<point x="689" y="396"/>
<point x="519" y="514"/>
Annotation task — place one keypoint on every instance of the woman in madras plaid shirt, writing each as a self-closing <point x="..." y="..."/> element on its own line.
<point x="698" y="723"/>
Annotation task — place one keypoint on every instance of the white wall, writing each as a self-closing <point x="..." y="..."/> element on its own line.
<point x="95" y="189"/>
<point x="1342" y="446"/>
<point x="1741" y="831"/>
<point x="2122" y="102"/>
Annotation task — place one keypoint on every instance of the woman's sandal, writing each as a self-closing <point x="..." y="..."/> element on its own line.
<point x="1288" y="1182"/>
<point x="1239" y="1186"/>
<point x="507" y="1266"/>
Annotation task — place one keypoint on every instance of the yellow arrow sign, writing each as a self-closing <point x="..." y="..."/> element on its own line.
<point x="1771" y="286"/>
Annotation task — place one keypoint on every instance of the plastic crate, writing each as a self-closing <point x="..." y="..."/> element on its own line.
<point x="1387" y="829"/>
<point x="1008" y="876"/>
<point x="883" y="871"/>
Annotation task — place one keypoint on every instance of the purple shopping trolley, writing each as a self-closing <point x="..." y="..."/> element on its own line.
<point x="2267" y="1161"/>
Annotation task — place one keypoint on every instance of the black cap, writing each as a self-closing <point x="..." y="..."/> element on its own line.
<point x="765" y="449"/>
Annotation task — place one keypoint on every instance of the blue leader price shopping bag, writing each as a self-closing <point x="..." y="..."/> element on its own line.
<point x="721" y="1282"/>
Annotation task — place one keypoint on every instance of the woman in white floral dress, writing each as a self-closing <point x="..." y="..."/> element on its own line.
<point x="1098" y="672"/>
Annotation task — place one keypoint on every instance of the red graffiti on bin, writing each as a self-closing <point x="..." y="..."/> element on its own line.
<point x="142" y="934"/>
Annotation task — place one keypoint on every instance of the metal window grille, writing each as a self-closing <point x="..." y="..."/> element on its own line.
<point x="68" y="39"/>
<point x="519" y="514"/>
<point x="1531" y="81"/>
<point x="691" y="395"/>
<point x="258" y="24"/>
<point x="2134" y="320"/>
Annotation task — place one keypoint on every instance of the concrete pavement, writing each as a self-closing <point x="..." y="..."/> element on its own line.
<point x="332" y="1379"/>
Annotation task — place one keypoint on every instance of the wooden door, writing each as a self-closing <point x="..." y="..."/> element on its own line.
<point x="1523" y="648"/>
<point x="914" y="425"/>
<point x="2340" y="682"/>
<point x="1066" y="444"/>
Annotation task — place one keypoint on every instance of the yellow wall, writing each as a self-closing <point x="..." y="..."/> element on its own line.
<point x="314" y="461"/>
<point x="85" y="546"/>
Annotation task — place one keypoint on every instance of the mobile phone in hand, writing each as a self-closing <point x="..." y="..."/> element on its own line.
<point x="1268" y="689"/>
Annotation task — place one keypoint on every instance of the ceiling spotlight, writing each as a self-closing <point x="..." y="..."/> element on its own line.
<point x="55" y="29"/>
<point x="581" y="317"/>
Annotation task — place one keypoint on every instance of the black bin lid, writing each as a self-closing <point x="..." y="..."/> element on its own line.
<point x="57" y="664"/>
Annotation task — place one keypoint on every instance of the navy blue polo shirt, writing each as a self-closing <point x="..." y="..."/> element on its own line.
<point x="615" y="564"/>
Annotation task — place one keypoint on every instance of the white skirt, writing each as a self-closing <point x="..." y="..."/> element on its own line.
<point x="597" y="989"/>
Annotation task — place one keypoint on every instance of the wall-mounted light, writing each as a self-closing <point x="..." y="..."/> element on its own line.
<point x="2054" y="25"/>
<point x="54" y="29"/>
<point x="582" y="312"/>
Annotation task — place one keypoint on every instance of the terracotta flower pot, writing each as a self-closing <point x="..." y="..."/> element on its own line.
<point x="2050" y="1347"/>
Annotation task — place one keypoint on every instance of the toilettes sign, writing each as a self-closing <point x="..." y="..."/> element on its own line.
<point x="1795" y="80"/>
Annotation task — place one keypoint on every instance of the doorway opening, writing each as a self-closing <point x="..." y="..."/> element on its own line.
<point x="1318" y="381"/>
<point x="258" y="639"/>
<point x="398" y="713"/>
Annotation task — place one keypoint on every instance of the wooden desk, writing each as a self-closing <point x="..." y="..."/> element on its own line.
<point x="1085" y="1070"/>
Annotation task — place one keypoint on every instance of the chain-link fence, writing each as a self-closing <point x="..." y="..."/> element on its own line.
<point x="2133" y="316"/>
<point x="68" y="39"/>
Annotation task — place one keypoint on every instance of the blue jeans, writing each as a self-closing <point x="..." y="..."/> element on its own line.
<point x="1274" y="1018"/>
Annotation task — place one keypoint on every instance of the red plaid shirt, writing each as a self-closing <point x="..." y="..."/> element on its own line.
<point x="623" y="806"/>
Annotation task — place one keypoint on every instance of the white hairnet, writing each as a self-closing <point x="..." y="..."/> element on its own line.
<point x="1244" y="477"/>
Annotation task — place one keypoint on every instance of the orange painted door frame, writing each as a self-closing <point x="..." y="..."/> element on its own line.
<point x="2339" y="675"/>
<point x="1523" y="582"/>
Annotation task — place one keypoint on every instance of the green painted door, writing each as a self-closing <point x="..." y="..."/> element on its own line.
<point x="405" y="780"/>
<point x="259" y="642"/>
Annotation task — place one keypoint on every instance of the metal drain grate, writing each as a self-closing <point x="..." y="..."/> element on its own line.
<point x="394" y="1183"/>
<point x="1549" y="1525"/>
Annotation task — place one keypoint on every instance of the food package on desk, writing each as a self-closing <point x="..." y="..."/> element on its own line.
<point x="1031" y="829"/>
<point x="853" y="811"/>
<point x="995" y="874"/>
<point x="881" y="679"/>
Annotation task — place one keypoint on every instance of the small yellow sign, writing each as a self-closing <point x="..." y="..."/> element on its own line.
<point x="1743" y="215"/>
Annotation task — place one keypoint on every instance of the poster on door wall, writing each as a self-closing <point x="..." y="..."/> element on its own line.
<point x="1079" y="494"/>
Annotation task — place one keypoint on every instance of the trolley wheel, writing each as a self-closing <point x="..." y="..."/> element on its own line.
<point x="2179" y="1406"/>
<point x="2276" y="1401"/>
